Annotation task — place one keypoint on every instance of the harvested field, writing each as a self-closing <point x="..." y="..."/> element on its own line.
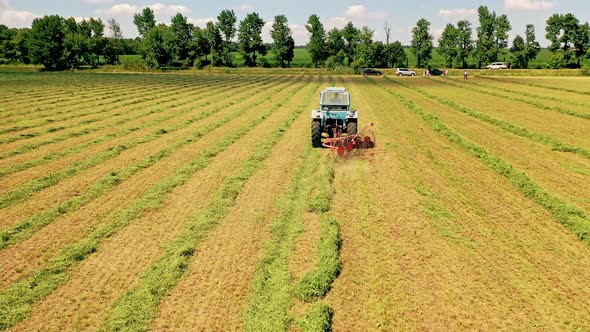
<point x="175" y="202"/>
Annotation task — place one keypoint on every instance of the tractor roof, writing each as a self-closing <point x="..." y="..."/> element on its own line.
<point x="335" y="89"/>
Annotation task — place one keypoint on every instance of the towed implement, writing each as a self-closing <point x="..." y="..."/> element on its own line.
<point x="337" y="122"/>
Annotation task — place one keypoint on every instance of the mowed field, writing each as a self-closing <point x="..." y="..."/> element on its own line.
<point x="183" y="202"/>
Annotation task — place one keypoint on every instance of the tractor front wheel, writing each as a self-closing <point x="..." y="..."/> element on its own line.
<point x="316" y="134"/>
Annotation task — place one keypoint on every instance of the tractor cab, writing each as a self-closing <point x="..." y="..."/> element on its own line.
<point x="334" y="117"/>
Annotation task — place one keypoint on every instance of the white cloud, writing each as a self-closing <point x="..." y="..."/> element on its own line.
<point x="97" y="2"/>
<point x="201" y="21"/>
<point x="528" y="4"/>
<point x="458" y="13"/>
<point x="14" y="18"/>
<point x="244" y="8"/>
<point x="158" y="8"/>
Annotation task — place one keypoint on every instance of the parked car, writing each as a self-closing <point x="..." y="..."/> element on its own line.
<point x="435" y="72"/>
<point x="371" y="71"/>
<point x="404" y="72"/>
<point x="497" y="65"/>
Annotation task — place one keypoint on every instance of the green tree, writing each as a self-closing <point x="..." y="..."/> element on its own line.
<point x="115" y="43"/>
<point x="422" y="42"/>
<point x="226" y="21"/>
<point x="569" y="37"/>
<point x="351" y="36"/>
<point x="502" y="27"/>
<point x="335" y="42"/>
<point x="183" y="34"/>
<point x="396" y="55"/>
<point x="215" y="41"/>
<point x="317" y="41"/>
<point x="8" y="51"/>
<point x="518" y="49"/>
<point x="160" y="46"/>
<point x="199" y="47"/>
<point x="144" y="21"/>
<point x="465" y="41"/>
<point x="531" y="44"/>
<point x="283" y="46"/>
<point x="448" y="44"/>
<point x="76" y="43"/>
<point x="97" y="41"/>
<point x="485" y="50"/>
<point x="250" y="38"/>
<point x="46" y="41"/>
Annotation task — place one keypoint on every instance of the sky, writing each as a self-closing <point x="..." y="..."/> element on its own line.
<point x="400" y="15"/>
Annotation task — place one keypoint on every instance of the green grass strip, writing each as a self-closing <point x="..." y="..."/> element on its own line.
<point x="468" y="86"/>
<point x="523" y="132"/>
<point x="134" y="310"/>
<point x="268" y="307"/>
<point x="572" y="217"/>
<point x="538" y="85"/>
<point x="17" y="301"/>
<point x="86" y="131"/>
<point x="323" y="200"/>
<point x="75" y="149"/>
<point x="318" y="318"/>
<point x="102" y="115"/>
<point x="318" y="282"/>
<point x="28" y="227"/>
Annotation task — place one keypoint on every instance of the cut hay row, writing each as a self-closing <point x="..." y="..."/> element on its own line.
<point x="24" y="229"/>
<point x="131" y="182"/>
<point x="549" y="97"/>
<point x="533" y="103"/>
<point x="111" y="112"/>
<point x="568" y="215"/>
<point x="443" y="232"/>
<point x="561" y="172"/>
<point x="22" y="192"/>
<point x="505" y="125"/>
<point x="138" y="307"/>
<point x="17" y="300"/>
<point x="538" y="85"/>
<point x="215" y="92"/>
<point x="106" y="98"/>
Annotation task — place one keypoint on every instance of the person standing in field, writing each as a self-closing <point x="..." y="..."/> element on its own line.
<point x="465" y="75"/>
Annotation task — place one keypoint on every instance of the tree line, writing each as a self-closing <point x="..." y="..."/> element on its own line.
<point x="60" y="43"/>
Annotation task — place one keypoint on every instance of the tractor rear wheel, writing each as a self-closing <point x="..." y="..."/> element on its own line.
<point x="316" y="134"/>
<point x="351" y="128"/>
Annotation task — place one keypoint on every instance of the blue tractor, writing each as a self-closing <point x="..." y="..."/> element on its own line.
<point x="334" y="117"/>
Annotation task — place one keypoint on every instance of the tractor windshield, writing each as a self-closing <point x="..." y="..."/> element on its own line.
<point x="335" y="98"/>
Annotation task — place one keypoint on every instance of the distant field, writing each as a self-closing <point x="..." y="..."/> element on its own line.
<point x="194" y="201"/>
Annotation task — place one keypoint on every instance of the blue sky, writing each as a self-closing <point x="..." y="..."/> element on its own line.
<point x="401" y="15"/>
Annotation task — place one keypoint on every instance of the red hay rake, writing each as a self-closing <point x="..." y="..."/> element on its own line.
<point x="341" y="145"/>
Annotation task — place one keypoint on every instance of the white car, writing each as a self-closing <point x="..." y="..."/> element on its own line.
<point x="497" y="65"/>
<point x="404" y="72"/>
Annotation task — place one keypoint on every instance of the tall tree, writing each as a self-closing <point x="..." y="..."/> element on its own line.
<point x="46" y="41"/>
<point x="396" y="55"/>
<point x="77" y="43"/>
<point x="569" y="37"/>
<point x="422" y="42"/>
<point x="160" y="46"/>
<point x="215" y="41"/>
<point x="183" y="34"/>
<point x="387" y="29"/>
<point x="465" y="41"/>
<point x="485" y="49"/>
<point x="250" y="38"/>
<point x="502" y="27"/>
<point x="283" y="41"/>
<point x="335" y="42"/>
<point x="199" y="46"/>
<point x="317" y="42"/>
<point x="144" y="21"/>
<point x="8" y="50"/>
<point x="448" y="44"/>
<point x="518" y="49"/>
<point x="97" y="40"/>
<point x="350" y="34"/>
<point x="532" y="46"/>
<point x="226" y="20"/>
<point x="115" y="42"/>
